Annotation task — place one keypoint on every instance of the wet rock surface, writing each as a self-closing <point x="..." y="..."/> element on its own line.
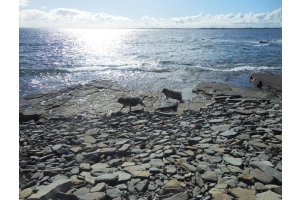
<point x="267" y="81"/>
<point x="230" y="148"/>
<point x="99" y="98"/>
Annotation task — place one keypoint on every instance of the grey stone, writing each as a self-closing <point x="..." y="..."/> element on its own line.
<point x="260" y="187"/>
<point x="191" y="168"/>
<point x="114" y="193"/>
<point x="141" y="186"/>
<point x="89" y="139"/>
<point x="114" y="162"/>
<point x="49" y="191"/>
<point x="171" y="169"/>
<point x="258" y="144"/>
<point x="214" y="159"/>
<point x="210" y="176"/>
<point x="124" y="148"/>
<point x="196" y="191"/>
<point x="106" y="178"/>
<point x="261" y="176"/>
<point x="84" y="166"/>
<point x="141" y="167"/>
<point x="140" y="122"/>
<point x="180" y="196"/>
<point x="57" y="147"/>
<point x="222" y="127"/>
<point x="99" y="187"/>
<point x="140" y="138"/>
<point x="273" y="172"/>
<point x="98" y="166"/>
<point x="233" y="161"/>
<point x="90" y="179"/>
<point x="26" y="192"/>
<point x="122" y="176"/>
<point x="81" y="192"/>
<point x="268" y="195"/>
<point x="228" y="133"/>
<point x="130" y="187"/>
<point x="94" y="196"/>
<point x="216" y="121"/>
<point x="241" y="193"/>
<point x="93" y="131"/>
<point x="157" y="163"/>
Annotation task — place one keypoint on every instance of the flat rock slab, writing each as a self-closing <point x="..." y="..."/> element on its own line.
<point x="221" y="89"/>
<point x="273" y="172"/>
<point x="99" y="166"/>
<point x="89" y="139"/>
<point x="106" y="178"/>
<point x="241" y="193"/>
<point x="99" y="187"/>
<point x="210" y="176"/>
<point x="258" y="144"/>
<point x="123" y="176"/>
<point x="93" y="131"/>
<point x="216" y="121"/>
<point x="81" y="192"/>
<point x="90" y="100"/>
<point x="114" y="193"/>
<point x="180" y="196"/>
<point x="262" y="176"/>
<point x="228" y="133"/>
<point x="268" y="195"/>
<point x="223" y="127"/>
<point x="26" y="192"/>
<point x="267" y="81"/>
<point x="48" y="192"/>
<point x="140" y="174"/>
<point x="233" y="161"/>
<point x="140" y="122"/>
<point x="173" y="183"/>
<point x="94" y="195"/>
<point x="157" y="163"/>
<point x="243" y="112"/>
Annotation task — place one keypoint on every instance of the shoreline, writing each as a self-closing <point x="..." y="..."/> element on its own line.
<point x="99" y="98"/>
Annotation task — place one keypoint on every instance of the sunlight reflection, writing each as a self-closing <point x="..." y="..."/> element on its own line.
<point x="100" y="41"/>
<point x="99" y="48"/>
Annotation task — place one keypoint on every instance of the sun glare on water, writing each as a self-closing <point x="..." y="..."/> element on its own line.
<point x="103" y="41"/>
<point x="101" y="47"/>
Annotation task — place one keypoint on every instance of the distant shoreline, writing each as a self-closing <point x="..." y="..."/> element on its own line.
<point x="151" y="28"/>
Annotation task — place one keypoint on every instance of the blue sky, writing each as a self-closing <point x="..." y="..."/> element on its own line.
<point x="150" y="14"/>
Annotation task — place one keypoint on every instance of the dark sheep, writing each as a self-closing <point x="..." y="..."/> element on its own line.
<point x="130" y="101"/>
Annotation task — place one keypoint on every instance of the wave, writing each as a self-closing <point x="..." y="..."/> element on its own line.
<point x="26" y="72"/>
<point x="239" y="68"/>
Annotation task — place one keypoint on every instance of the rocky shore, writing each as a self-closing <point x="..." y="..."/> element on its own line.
<point x="224" y="144"/>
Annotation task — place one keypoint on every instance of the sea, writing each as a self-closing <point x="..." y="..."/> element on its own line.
<point x="145" y="59"/>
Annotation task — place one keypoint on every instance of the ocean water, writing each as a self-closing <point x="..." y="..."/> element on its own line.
<point x="145" y="59"/>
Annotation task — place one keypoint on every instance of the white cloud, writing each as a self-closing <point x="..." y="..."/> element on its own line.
<point x="72" y="18"/>
<point x="23" y="3"/>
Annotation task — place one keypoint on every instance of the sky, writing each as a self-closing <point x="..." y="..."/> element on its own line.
<point x="150" y="13"/>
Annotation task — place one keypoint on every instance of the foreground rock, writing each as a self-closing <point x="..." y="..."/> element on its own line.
<point x="231" y="148"/>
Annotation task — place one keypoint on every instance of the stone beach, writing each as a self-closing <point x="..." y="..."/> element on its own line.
<point x="225" y="143"/>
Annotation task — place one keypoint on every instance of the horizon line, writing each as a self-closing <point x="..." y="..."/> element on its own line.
<point x="161" y="28"/>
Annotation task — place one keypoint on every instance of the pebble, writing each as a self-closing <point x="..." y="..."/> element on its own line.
<point x="224" y="151"/>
